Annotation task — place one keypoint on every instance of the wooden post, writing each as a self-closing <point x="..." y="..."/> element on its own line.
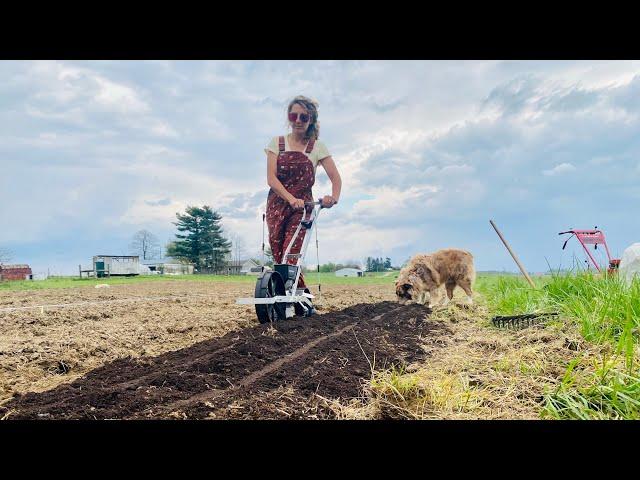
<point x="524" y="272"/>
<point x="80" y="270"/>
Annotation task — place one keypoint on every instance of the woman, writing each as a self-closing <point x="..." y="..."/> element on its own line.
<point x="291" y="169"/>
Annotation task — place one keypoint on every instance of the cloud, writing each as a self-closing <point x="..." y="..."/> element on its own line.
<point x="74" y="88"/>
<point x="161" y="202"/>
<point x="428" y="151"/>
<point x="559" y="169"/>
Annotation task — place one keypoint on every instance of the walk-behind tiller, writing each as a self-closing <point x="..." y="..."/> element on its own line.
<point x="277" y="296"/>
<point x="593" y="237"/>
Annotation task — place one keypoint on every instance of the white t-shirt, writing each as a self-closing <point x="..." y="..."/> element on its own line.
<point x="318" y="153"/>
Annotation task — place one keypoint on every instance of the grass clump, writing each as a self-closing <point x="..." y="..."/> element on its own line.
<point x="609" y="393"/>
<point x="606" y="312"/>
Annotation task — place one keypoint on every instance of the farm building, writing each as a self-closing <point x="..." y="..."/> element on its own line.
<point x="241" y="267"/>
<point x="111" y="265"/>
<point x="166" y="266"/>
<point x="349" y="272"/>
<point x="250" y="267"/>
<point x="15" y="272"/>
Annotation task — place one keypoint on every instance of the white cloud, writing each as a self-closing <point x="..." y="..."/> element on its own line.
<point x="425" y="149"/>
<point x="559" y="169"/>
<point x="392" y="202"/>
<point x="119" y="98"/>
<point x="162" y="129"/>
<point x="63" y="85"/>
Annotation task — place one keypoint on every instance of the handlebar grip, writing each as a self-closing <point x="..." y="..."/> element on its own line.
<point x="319" y="202"/>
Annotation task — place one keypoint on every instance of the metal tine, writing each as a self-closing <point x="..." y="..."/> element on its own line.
<point x="521" y="321"/>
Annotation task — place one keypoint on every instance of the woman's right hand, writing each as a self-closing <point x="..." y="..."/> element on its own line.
<point x="296" y="203"/>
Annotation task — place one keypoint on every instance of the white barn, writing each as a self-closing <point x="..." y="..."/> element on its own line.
<point x="349" y="272"/>
<point x="166" y="266"/>
<point x="251" y="267"/>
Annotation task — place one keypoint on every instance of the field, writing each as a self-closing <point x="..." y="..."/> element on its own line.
<point x="179" y="347"/>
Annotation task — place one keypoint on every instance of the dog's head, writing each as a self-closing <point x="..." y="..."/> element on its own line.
<point x="408" y="286"/>
<point x="404" y="292"/>
<point x="415" y="284"/>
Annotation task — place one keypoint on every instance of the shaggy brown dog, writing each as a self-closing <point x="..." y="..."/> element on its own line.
<point x="419" y="280"/>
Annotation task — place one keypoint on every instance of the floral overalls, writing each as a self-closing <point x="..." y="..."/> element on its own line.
<point x="296" y="173"/>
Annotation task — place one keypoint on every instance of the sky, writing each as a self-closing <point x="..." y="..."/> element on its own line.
<point x="429" y="152"/>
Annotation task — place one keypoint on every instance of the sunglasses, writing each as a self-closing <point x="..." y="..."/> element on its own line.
<point x="304" y="117"/>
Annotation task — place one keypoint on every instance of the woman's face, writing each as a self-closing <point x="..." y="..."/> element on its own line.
<point x="297" y="124"/>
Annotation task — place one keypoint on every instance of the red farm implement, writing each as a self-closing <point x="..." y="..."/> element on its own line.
<point x="593" y="237"/>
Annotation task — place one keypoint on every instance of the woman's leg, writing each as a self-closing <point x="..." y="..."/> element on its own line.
<point x="276" y="217"/>
<point x="292" y="223"/>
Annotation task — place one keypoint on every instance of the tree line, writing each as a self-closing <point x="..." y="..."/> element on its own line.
<point x="377" y="264"/>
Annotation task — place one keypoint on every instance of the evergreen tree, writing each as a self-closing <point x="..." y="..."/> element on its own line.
<point x="369" y="264"/>
<point x="201" y="241"/>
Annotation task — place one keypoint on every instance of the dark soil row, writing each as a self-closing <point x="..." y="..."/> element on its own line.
<point x="268" y="371"/>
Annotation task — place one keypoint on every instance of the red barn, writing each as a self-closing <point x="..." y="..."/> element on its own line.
<point x="15" y="272"/>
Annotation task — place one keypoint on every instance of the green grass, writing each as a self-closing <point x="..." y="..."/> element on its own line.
<point x="609" y="394"/>
<point x="374" y="278"/>
<point x="510" y="295"/>
<point x="606" y="312"/>
<point x="603" y="307"/>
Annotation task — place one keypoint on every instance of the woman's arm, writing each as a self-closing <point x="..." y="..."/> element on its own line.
<point x="276" y="185"/>
<point x="336" y="182"/>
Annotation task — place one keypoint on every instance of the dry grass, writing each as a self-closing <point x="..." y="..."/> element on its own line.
<point x="480" y="372"/>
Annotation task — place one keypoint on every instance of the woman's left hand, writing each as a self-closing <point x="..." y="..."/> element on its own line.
<point x="328" y="201"/>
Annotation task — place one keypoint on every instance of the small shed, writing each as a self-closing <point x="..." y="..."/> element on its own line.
<point x="16" y="272"/>
<point x="116" y="265"/>
<point x="349" y="272"/>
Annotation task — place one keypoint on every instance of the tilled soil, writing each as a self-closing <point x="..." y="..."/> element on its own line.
<point x="42" y="348"/>
<point x="265" y="371"/>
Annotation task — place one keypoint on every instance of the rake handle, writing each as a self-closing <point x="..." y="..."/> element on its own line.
<point x="513" y="255"/>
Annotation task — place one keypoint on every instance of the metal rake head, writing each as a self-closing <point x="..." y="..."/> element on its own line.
<point x="520" y="321"/>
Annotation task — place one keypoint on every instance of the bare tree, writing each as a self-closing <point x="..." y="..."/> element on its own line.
<point x="238" y="248"/>
<point x="6" y="255"/>
<point x="145" y="244"/>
